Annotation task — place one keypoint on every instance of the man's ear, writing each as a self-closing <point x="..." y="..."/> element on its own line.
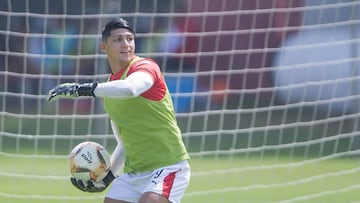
<point x="103" y="47"/>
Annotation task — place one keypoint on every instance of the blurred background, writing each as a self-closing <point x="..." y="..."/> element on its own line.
<point x="249" y="78"/>
<point x="249" y="39"/>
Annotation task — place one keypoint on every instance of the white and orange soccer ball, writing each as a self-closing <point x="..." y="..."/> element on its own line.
<point x="89" y="161"/>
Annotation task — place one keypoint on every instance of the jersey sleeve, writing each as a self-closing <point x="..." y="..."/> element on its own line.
<point x="158" y="90"/>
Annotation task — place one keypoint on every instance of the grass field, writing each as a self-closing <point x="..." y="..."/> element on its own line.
<point x="213" y="180"/>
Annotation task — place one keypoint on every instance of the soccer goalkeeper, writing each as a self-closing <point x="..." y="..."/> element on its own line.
<point x="142" y="117"/>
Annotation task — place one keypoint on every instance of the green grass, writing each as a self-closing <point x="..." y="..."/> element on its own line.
<point x="213" y="180"/>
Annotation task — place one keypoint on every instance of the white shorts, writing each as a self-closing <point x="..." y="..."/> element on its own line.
<point x="169" y="181"/>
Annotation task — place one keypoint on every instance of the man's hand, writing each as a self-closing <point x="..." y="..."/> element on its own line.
<point x="71" y="90"/>
<point x="92" y="186"/>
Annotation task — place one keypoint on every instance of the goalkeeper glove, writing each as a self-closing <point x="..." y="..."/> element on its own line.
<point x="92" y="186"/>
<point x="72" y="90"/>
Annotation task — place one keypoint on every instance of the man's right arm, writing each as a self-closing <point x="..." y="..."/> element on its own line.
<point x="134" y="85"/>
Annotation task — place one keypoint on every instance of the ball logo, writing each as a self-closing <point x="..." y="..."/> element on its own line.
<point x="87" y="157"/>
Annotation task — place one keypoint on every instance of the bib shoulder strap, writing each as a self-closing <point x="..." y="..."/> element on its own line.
<point x="137" y="59"/>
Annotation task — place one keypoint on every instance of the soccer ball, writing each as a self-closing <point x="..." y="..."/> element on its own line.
<point x="89" y="161"/>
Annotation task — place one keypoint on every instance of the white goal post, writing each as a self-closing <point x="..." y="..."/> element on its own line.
<point x="267" y="94"/>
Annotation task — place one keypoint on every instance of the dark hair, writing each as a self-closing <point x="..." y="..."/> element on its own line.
<point x="113" y="24"/>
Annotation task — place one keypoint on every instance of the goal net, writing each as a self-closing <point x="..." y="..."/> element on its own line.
<point x="266" y="94"/>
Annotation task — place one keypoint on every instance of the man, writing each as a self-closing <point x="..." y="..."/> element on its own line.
<point x="142" y="116"/>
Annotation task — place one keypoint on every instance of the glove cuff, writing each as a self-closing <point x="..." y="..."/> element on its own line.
<point x="109" y="178"/>
<point x="87" y="89"/>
